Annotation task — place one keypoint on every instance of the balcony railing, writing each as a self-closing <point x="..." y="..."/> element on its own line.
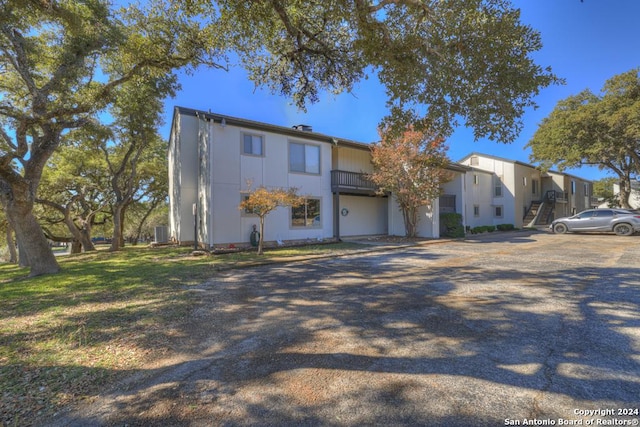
<point x="557" y="196"/>
<point x="351" y="182"/>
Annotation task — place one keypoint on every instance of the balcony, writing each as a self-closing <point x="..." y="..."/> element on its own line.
<point x="557" y="196"/>
<point x="352" y="183"/>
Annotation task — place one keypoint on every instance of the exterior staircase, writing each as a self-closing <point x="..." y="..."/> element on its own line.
<point x="540" y="212"/>
<point x="545" y="215"/>
<point x="532" y="213"/>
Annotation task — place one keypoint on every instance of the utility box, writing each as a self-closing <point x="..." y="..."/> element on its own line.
<point x="161" y="233"/>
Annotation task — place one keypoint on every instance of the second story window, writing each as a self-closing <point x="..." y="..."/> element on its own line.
<point x="252" y="145"/>
<point x="304" y="158"/>
<point x="497" y="188"/>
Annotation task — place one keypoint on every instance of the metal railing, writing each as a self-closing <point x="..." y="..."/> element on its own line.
<point x="341" y="180"/>
<point x="556" y="196"/>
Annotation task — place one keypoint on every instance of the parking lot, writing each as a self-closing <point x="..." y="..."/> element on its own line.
<point x="499" y="329"/>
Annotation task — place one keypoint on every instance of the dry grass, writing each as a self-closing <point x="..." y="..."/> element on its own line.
<point x="64" y="337"/>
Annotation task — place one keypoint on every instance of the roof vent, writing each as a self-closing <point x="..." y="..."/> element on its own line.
<point x="304" y="128"/>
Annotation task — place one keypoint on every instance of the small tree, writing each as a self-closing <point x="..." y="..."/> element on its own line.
<point x="262" y="201"/>
<point x="411" y="166"/>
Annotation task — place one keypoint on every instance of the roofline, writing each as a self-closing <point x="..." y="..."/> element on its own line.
<point x="503" y="159"/>
<point x="251" y="124"/>
<point x="517" y="162"/>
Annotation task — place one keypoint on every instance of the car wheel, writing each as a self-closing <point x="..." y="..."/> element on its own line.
<point x="623" y="229"/>
<point x="560" y="228"/>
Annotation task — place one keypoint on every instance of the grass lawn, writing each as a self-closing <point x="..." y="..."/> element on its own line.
<point x="67" y="336"/>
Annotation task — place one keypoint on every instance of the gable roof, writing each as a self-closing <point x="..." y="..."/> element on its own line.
<point x="517" y="162"/>
<point x="502" y="159"/>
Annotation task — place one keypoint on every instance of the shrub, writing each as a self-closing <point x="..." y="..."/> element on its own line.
<point x="491" y="228"/>
<point x="505" y="227"/>
<point x="451" y="225"/>
<point x="479" y="229"/>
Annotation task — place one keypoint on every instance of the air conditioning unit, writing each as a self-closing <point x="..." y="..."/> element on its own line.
<point x="161" y="234"/>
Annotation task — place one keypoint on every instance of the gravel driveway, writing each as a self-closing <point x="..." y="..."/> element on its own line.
<point x="517" y="328"/>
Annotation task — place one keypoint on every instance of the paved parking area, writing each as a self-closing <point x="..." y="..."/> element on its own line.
<point x="514" y="328"/>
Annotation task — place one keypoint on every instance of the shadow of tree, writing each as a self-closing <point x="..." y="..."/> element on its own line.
<point x="403" y="338"/>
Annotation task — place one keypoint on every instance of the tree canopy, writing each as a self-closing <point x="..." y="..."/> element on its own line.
<point x="440" y="61"/>
<point x="595" y="129"/>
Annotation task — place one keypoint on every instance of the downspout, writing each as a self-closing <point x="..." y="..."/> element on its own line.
<point x="336" y="215"/>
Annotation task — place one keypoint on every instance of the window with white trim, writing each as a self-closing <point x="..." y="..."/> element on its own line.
<point x="304" y="158"/>
<point x="498" y="211"/>
<point x="476" y="210"/>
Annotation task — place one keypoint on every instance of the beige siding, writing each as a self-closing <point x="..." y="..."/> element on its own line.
<point x="353" y="160"/>
<point x="366" y="215"/>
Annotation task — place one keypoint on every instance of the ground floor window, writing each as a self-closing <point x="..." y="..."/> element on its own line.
<point x="476" y="210"/>
<point x="307" y="214"/>
<point x="498" y="211"/>
<point x="448" y="203"/>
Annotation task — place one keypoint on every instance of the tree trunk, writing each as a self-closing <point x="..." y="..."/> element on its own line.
<point x="31" y="239"/>
<point x="85" y="234"/>
<point x="625" y="192"/>
<point x="410" y="221"/>
<point x="76" y="247"/>
<point x="116" y="239"/>
<point x="11" y="244"/>
<point x="154" y="204"/>
<point x="80" y="237"/>
<point x="261" y="239"/>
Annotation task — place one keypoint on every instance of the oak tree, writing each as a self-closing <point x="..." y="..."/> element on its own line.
<point x="441" y="62"/>
<point x="60" y="63"/>
<point x="595" y="129"/>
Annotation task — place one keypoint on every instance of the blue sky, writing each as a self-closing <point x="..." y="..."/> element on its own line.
<point x="585" y="43"/>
